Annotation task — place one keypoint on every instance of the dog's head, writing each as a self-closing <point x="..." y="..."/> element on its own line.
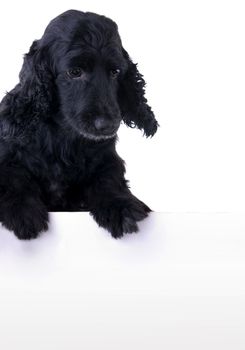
<point x="80" y="68"/>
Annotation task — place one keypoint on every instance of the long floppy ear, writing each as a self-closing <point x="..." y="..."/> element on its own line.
<point x="37" y="79"/>
<point x="135" y="110"/>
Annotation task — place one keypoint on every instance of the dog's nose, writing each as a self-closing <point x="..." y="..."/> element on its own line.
<point x="102" y="124"/>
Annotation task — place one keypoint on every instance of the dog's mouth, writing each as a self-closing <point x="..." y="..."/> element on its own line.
<point x="95" y="133"/>
<point x="95" y="137"/>
<point x="89" y="132"/>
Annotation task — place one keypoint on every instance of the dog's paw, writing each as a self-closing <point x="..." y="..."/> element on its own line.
<point x="121" y="216"/>
<point x="27" y="222"/>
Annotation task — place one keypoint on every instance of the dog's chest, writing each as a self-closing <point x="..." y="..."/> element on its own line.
<point x="61" y="176"/>
<point x="61" y="183"/>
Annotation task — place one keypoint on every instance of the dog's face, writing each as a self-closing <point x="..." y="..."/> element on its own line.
<point x="88" y="79"/>
<point x="80" y="62"/>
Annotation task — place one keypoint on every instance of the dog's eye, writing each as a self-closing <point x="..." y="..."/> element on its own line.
<point x="75" y="72"/>
<point x="114" y="73"/>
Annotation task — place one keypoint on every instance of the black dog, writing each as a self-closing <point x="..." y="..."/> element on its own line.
<point x="58" y="128"/>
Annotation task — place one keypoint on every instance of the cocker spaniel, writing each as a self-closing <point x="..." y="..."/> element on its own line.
<point x="58" y="128"/>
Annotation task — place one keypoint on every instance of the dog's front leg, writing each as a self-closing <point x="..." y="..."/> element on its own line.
<point x="112" y="204"/>
<point x="21" y="208"/>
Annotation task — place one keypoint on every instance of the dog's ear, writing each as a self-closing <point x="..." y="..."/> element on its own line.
<point x="37" y="78"/>
<point x="135" y="110"/>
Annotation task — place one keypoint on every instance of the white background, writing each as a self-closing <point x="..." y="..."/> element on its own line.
<point x="180" y="282"/>
<point x="192" y="55"/>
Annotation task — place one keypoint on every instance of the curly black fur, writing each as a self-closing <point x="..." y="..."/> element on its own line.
<point x="58" y="128"/>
